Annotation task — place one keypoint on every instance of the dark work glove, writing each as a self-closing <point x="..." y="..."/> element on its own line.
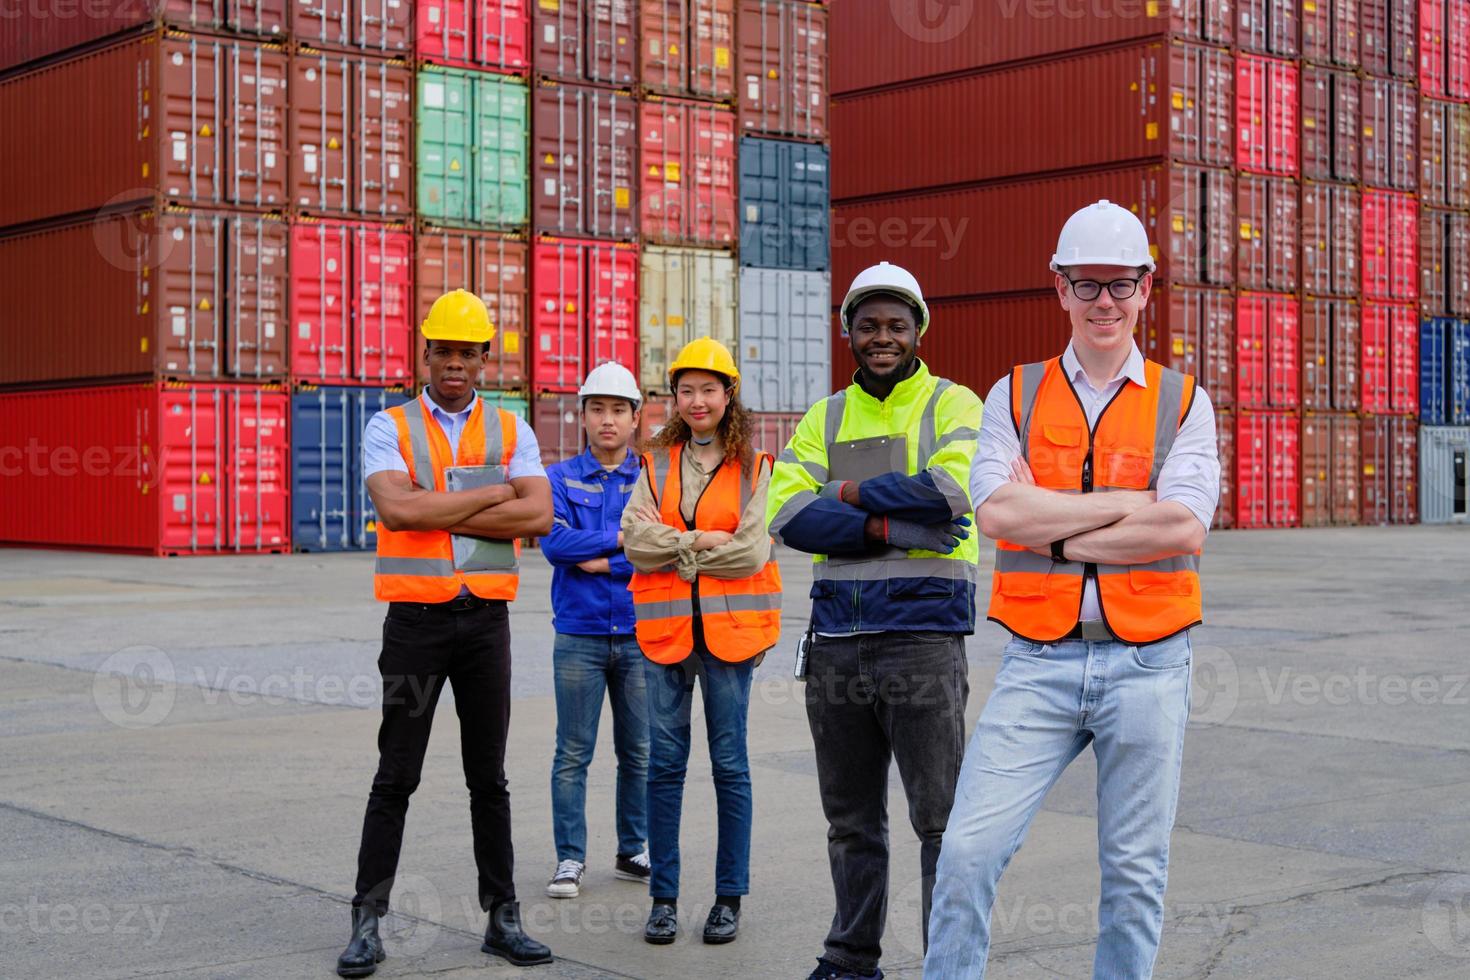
<point x="910" y="536"/>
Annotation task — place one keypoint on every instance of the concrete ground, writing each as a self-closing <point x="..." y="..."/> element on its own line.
<point x="188" y="745"/>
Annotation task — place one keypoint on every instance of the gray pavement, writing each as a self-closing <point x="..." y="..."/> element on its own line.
<point x="188" y="746"/>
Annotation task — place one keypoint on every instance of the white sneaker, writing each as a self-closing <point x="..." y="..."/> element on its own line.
<point x="567" y="881"/>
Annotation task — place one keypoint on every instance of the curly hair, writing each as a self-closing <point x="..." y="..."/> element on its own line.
<point x="736" y="432"/>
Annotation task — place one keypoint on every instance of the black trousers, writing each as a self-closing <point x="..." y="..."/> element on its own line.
<point x="424" y="646"/>
<point x="872" y="699"/>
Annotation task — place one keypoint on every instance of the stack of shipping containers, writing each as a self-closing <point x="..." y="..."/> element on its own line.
<point x="1273" y="151"/>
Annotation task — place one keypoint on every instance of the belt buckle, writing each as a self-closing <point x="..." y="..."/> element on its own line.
<point x="1095" y="631"/>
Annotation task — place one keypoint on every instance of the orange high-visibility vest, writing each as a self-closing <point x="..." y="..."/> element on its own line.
<point x="418" y="566"/>
<point x="741" y="617"/>
<point x="1041" y="600"/>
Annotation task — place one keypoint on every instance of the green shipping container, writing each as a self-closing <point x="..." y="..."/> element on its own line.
<point x="472" y="141"/>
<point x="510" y="401"/>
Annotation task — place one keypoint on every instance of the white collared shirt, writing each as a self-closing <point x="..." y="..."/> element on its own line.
<point x="1190" y="474"/>
<point x="380" y="451"/>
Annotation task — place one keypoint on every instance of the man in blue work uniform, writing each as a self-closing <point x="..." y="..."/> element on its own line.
<point x="596" y="648"/>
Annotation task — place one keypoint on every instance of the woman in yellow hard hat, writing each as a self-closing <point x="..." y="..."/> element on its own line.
<point x="707" y="600"/>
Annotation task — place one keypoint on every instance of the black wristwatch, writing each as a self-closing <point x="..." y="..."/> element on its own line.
<point x="1057" y="547"/>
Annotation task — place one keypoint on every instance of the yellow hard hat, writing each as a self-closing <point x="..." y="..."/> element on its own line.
<point x="459" y="315"/>
<point x="706" y="354"/>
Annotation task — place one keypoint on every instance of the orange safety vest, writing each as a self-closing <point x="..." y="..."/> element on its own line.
<point x="741" y="617"/>
<point x="1041" y="600"/>
<point x="418" y="566"/>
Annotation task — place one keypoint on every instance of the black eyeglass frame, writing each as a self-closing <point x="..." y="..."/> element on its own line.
<point x="1133" y="284"/>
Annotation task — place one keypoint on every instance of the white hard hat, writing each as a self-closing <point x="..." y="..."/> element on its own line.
<point x="611" y="380"/>
<point x="886" y="278"/>
<point x="1103" y="234"/>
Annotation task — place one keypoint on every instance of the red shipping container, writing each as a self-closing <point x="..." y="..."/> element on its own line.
<point x="1251" y="358"/>
<point x="172" y="294"/>
<point x="1390" y="134"/>
<point x="493" y="267"/>
<point x="584" y="301"/>
<point x="474" y="33"/>
<point x="1331" y="216"/>
<point x="1390" y="360"/>
<point x="384" y="27"/>
<point x="584" y="155"/>
<point x="1330" y="32"/>
<point x="1432" y="61"/>
<point x="781" y="63"/>
<point x="1270" y="233"/>
<point x="1330" y="346"/>
<point x="82" y="134"/>
<point x="1457" y="49"/>
<point x="1444" y="153"/>
<point x="1193" y="331"/>
<point x="1331" y="124"/>
<point x="557" y="422"/>
<point x="1268" y="26"/>
<point x="688" y="47"/>
<point x="1267" y="105"/>
<point x="351" y="134"/>
<point x="585" y="40"/>
<point x="351" y="303"/>
<point x="1390" y="457"/>
<point x="689" y="165"/>
<point x="1225" y="446"/>
<point x="156" y="468"/>
<point x="1267" y="480"/>
<point x="1125" y="120"/>
<point x="1390" y="246"/>
<point x="612" y="326"/>
<point x="1389" y="32"/>
<point x="1267" y="358"/>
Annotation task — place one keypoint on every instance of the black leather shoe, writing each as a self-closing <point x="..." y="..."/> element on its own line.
<point x="504" y="938"/>
<point x="722" y="926"/>
<point x="365" y="951"/>
<point x="663" y="924"/>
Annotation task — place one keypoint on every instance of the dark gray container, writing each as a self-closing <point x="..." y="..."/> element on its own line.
<point x="785" y="205"/>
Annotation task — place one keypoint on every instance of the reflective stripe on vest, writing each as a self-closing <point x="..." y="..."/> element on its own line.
<point x="1041" y="600"/>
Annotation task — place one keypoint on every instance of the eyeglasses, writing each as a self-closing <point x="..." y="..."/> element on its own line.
<point x="1088" y="290"/>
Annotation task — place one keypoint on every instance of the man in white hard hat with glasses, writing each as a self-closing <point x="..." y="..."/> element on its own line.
<point x="1097" y="475"/>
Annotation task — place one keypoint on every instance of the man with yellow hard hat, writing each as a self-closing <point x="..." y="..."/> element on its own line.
<point x="455" y="483"/>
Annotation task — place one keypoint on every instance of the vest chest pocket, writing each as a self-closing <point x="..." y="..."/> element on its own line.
<point x="1144" y="581"/>
<point x="1126" y="468"/>
<point x="1056" y="457"/>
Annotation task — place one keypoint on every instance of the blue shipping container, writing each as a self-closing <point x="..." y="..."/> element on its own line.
<point x="330" y="507"/>
<point x="1458" y="408"/>
<point x="785" y="205"/>
<point x="1433" y="383"/>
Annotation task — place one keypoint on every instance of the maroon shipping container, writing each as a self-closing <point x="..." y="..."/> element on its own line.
<point x="26" y="35"/>
<point x="158" y="468"/>
<point x="1331" y="232"/>
<point x="1151" y="99"/>
<point x="773" y="430"/>
<point x="1389" y="32"/>
<point x="1330" y="32"/>
<point x="1390" y="454"/>
<point x="1225" y="445"/>
<point x="1268" y="371"/>
<point x="1434" y="262"/>
<point x="172" y="294"/>
<point x="688" y="47"/>
<point x="82" y="134"/>
<point x="351" y="135"/>
<point x="1390" y="134"/>
<point x="1390" y="359"/>
<point x="781" y="64"/>
<point x="1444" y="153"/>
<point x="584" y="155"/>
<point x="1330" y="470"/>
<point x="384" y="27"/>
<point x="1331" y="124"/>
<point x="879" y="44"/>
<point x="1193" y="331"/>
<point x="557" y="422"/>
<point x="351" y="303"/>
<point x="1267" y="211"/>
<point x="584" y="303"/>
<point x="1457" y="49"/>
<point x="1456" y="226"/>
<point x="1267" y="106"/>
<point x="1267" y="474"/>
<point x="585" y="40"/>
<point x="689" y="166"/>
<point x="1390" y="246"/>
<point x="1268" y="26"/>
<point x="1331" y="338"/>
<point x="495" y="268"/>
<point x="653" y="414"/>
<point x="473" y="33"/>
<point x="1444" y="48"/>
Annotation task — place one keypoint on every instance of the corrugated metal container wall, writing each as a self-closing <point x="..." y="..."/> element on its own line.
<point x="1390" y="246"/>
<point x="1331" y="216"/>
<point x="1330" y="470"/>
<point x="330" y="506"/>
<point x="350" y="303"/>
<point x="1390" y="450"/>
<point x="1268" y="26"/>
<point x="1330" y="32"/>
<point x="1444" y="372"/>
<point x="785" y="215"/>
<point x="584" y="161"/>
<point x="612" y="310"/>
<point x="80" y="134"/>
<point x="1267" y="107"/>
<point x="656" y="411"/>
<point x="1225" y="443"/>
<point x="1444" y="468"/>
<point x="1267" y="471"/>
<point x="176" y="294"/>
<point x="688" y="171"/>
<point x="1390" y="359"/>
<point x="684" y="293"/>
<point x="1444" y="238"/>
<point x="381" y="26"/>
<point x="1151" y="99"/>
<point x="492" y="267"/>
<point x="591" y="40"/>
<point x="1390" y="134"/>
<point x="517" y="405"/>
<point x="1389" y="32"/>
<point x="1332" y="110"/>
<point x="1268" y="371"/>
<point x="1331" y="339"/>
<point x="157" y="468"/>
<point x="1193" y="331"/>
<point x="351" y="134"/>
<point x="1444" y="48"/>
<point x="584" y="310"/>
<point x="785" y="353"/>
<point x="473" y="33"/>
<point x="782" y="67"/>
<point x="773" y="430"/>
<point x="557" y="422"/>
<point x="1444" y="153"/>
<point x="471" y="143"/>
<point x="688" y="47"/>
<point x="1267" y="211"/>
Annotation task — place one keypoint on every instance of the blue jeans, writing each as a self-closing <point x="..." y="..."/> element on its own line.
<point x="586" y="666"/>
<point x="726" y="691"/>
<point x="1050" y="701"/>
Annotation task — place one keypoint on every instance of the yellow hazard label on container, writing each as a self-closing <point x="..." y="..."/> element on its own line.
<point x="143" y="345"/>
<point x="1367" y="130"/>
<point x="676" y="321"/>
<point x="1245" y="230"/>
<point x="549" y="159"/>
<point x="1178" y="346"/>
<point x="454" y="165"/>
<point x="1152" y="7"/>
<point x="145" y="169"/>
<point x="1308" y="122"/>
<point x="722" y="57"/>
<point x="332" y="144"/>
<point x="1153" y="252"/>
<point x="571" y="307"/>
<point x="1151" y="131"/>
<point x="1179" y="100"/>
<point x="621" y="197"/>
<point x="144" y="308"/>
<point x="671" y="172"/>
<point x="673" y="49"/>
<point x="205" y="130"/>
<point x="653" y="320"/>
<point x="1309" y="7"/>
<point x="1369" y="469"/>
<point x="653" y="170"/>
<point x="371" y="527"/>
<point x="204" y="479"/>
<point x="511" y="342"/>
<point x="550" y="4"/>
<point x="206" y="305"/>
<point x="1179" y="223"/>
<point x="773" y="73"/>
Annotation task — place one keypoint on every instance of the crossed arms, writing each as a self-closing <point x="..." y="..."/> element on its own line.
<point x="518" y="509"/>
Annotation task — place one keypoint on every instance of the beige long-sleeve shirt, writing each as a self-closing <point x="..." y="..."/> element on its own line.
<point x="651" y="546"/>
